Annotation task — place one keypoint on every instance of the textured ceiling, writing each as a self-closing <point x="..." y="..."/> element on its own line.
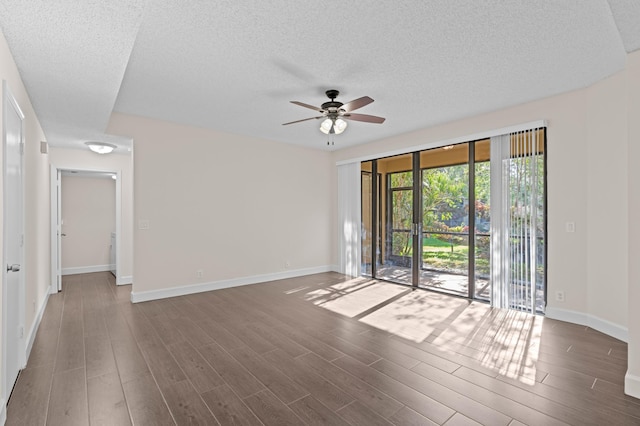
<point x="234" y="65"/>
<point x="72" y="56"/>
<point x="627" y="16"/>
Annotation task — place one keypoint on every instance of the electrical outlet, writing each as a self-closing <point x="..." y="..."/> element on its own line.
<point x="199" y="273"/>
<point x="559" y="296"/>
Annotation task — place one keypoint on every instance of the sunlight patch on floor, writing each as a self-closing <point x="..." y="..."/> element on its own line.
<point x="357" y="299"/>
<point x="502" y="340"/>
<point x="334" y="291"/>
<point x="295" y="290"/>
<point x="416" y="315"/>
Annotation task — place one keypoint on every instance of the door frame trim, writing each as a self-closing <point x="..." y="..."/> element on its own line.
<point x="120" y="280"/>
<point x="9" y="100"/>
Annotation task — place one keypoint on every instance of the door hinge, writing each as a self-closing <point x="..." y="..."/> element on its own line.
<point x="20" y="332"/>
<point x="22" y="240"/>
<point x="21" y="148"/>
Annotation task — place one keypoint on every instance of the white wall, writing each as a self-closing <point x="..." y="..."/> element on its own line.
<point x="76" y="159"/>
<point x="36" y="181"/>
<point x="89" y="217"/>
<point x="607" y="212"/>
<point x="237" y="208"/>
<point x="632" y="384"/>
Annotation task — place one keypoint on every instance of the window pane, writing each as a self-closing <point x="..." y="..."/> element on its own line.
<point x="402" y="180"/>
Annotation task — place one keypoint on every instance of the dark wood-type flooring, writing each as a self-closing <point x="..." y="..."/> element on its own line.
<point x="316" y="350"/>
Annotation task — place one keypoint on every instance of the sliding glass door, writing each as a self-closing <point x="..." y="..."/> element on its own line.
<point x="444" y="194"/>
<point x="396" y="245"/>
<point x="427" y="219"/>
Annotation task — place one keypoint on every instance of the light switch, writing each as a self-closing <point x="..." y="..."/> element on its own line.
<point x="570" y="227"/>
<point x="143" y="224"/>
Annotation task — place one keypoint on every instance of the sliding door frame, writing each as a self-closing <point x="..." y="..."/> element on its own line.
<point x="471" y="199"/>
<point x="416" y="228"/>
<point x="374" y="218"/>
<point x="416" y="231"/>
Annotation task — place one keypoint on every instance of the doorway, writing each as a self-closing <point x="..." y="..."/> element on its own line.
<point x="13" y="244"/>
<point x="66" y="234"/>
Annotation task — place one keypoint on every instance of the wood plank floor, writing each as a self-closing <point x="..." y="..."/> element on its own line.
<point x="316" y="350"/>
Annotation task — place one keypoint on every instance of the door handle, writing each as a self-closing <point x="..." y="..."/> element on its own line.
<point x="13" y="268"/>
<point x="63" y="235"/>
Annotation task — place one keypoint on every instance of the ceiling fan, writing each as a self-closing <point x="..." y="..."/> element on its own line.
<point x="335" y="113"/>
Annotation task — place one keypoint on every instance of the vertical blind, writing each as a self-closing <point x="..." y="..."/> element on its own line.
<point x="517" y="221"/>
<point x="349" y="219"/>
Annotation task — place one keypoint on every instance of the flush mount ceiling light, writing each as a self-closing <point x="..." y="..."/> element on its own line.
<point x="100" y="147"/>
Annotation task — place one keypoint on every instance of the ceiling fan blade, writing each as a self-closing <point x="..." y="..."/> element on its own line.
<point x="364" y="117"/>
<point x="356" y="103"/>
<point x="304" y="119"/>
<point x="302" y="104"/>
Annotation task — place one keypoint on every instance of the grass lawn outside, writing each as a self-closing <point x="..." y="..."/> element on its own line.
<point x="439" y="254"/>
<point x="445" y="255"/>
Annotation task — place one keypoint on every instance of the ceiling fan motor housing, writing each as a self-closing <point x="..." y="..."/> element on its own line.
<point x="332" y="105"/>
<point x="332" y="93"/>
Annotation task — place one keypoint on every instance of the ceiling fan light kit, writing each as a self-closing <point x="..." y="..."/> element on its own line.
<point x="336" y="113"/>
<point x="333" y="126"/>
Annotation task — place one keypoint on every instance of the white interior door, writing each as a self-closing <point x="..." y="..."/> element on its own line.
<point x="59" y="230"/>
<point x="12" y="342"/>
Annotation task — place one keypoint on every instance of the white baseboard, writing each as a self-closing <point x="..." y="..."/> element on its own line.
<point x="36" y="323"/>
<point x="128" y="279"/>
<point x="3" y="412"/>
<point x="86" y="269"/>
<point x="614" y="330"/>
<point x="145" y="296"/>
<point x="632" y="385"/>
